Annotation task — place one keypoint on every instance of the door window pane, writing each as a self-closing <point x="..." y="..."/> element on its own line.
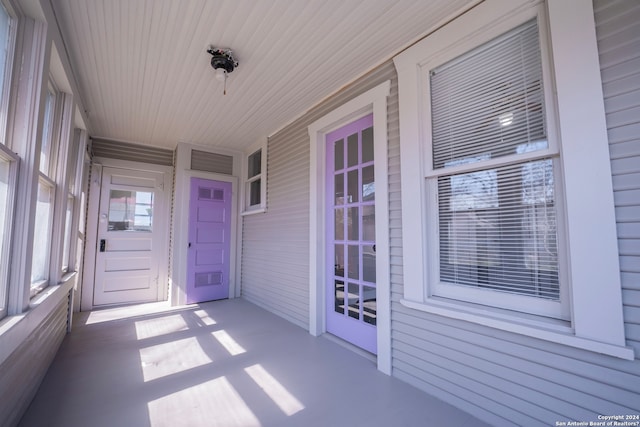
<point x="369" y="223"/>
<point x="352" y="150"/>
<point x="339" y="296"/>
<point x="354" y="300"/>
<point x="339" y="189"/>
<point x="338" y="156"/>
<point x="368" y="184"/>
<point x="367" y="145"/>
<point x="130" y="210"/>
<point x="339" y="261"/>
<point x="353" y="226"/>
<point x="369" y="263"/>
<point x="352" y="186"/>
<point x="369" y="304"/>
<point x="339" y="224"/>
<point x="354" y="262"/>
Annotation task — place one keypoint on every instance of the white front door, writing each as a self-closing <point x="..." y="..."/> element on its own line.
<point x="131" y="237"/>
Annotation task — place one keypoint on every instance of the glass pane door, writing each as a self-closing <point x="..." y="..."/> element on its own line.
<point x="351" y="308"/>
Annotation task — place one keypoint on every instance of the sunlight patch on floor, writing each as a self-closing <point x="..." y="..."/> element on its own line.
<point x="100" y="315"/>
<point x="172" y="357"/>
<point x="204" y="317"/>
<point x="214" y="403"/>
<point x="228" y="343"/>
<point x="150" y="328"/>
<point x="276" y="391"/>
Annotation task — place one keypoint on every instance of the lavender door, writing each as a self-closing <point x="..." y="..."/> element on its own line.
<point x="209" y="240"/>
<point x="351" y="248"/>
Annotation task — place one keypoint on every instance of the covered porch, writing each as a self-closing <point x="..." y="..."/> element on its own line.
<point x="224" y="363"/>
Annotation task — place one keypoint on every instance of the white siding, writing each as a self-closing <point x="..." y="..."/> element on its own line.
<point x="618" y="31"/>
<point x="22" y="372"/>
<point x="275" y="252"/>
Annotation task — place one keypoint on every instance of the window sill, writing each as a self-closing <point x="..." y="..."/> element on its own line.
<point x="253" y="211"/>
<point x="15" y="329"/>
<point x="545" y="329"/>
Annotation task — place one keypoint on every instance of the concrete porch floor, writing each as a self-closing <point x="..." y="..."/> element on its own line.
<point x="224" y="363"/>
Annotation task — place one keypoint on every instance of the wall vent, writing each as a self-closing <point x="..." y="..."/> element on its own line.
<point x="211" y="162"/>
<point x="208" y="279"/>
<point x="132" y="152"/>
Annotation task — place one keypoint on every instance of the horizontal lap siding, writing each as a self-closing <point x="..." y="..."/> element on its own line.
<point x="22" y="372"/>
<point x="275" y="244"/>
<point x="275" y="252"/>
<point x="618" y="31"/>
<point x="510" y="379"/>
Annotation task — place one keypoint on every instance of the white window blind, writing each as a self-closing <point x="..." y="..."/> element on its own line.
<point x="496" y="224"/>
<point x="488" y="102"/>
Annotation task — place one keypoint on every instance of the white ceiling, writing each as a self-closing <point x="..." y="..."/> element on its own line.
<point x="144" y="75"/>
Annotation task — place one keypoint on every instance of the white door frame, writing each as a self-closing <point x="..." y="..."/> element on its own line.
<point x="181" y="234"/>
<point x="93" y="214"/>
<point x="373" y="101"/>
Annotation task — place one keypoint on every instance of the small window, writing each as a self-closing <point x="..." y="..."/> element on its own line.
<point x="254" y="188"/>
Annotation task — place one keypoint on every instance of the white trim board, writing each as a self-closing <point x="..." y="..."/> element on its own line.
<point x="373" y="100"/>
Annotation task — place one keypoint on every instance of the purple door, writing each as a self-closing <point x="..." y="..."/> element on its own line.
<point x="351" y="248"/>
<point x="209" y="240"/>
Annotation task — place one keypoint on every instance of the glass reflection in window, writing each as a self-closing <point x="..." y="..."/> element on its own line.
<point x="354" y="300"/>
<point x="369" y="304"/>
<point x="338" y="296"/>
<point x="130" y="210"/>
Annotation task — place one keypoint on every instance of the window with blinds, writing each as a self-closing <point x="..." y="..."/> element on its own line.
<point x="493" y="169"/>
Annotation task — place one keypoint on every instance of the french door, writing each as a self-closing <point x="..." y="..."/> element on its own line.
<point x="351" y="241"/>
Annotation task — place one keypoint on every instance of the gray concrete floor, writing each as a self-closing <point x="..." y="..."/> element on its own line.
<point x="224" y="363"/>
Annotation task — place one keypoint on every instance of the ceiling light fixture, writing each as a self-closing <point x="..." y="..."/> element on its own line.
<point x="223" y="62"/>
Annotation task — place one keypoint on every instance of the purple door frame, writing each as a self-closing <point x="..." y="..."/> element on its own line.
<point x="209" y="240"/>
<point x="350" y="251"/>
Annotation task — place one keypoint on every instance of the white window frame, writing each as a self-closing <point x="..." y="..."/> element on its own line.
<point x="262" y="176"/>
<point x="591" y="264"/>
<point x="47" y="179"/>
<point x="5" y="250"/>
<point x="14" y="162"/>
<point x="5" y="86"/>
<point x="39" y="285"/>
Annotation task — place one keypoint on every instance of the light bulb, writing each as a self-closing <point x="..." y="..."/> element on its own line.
<point x="221" y="74"/>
